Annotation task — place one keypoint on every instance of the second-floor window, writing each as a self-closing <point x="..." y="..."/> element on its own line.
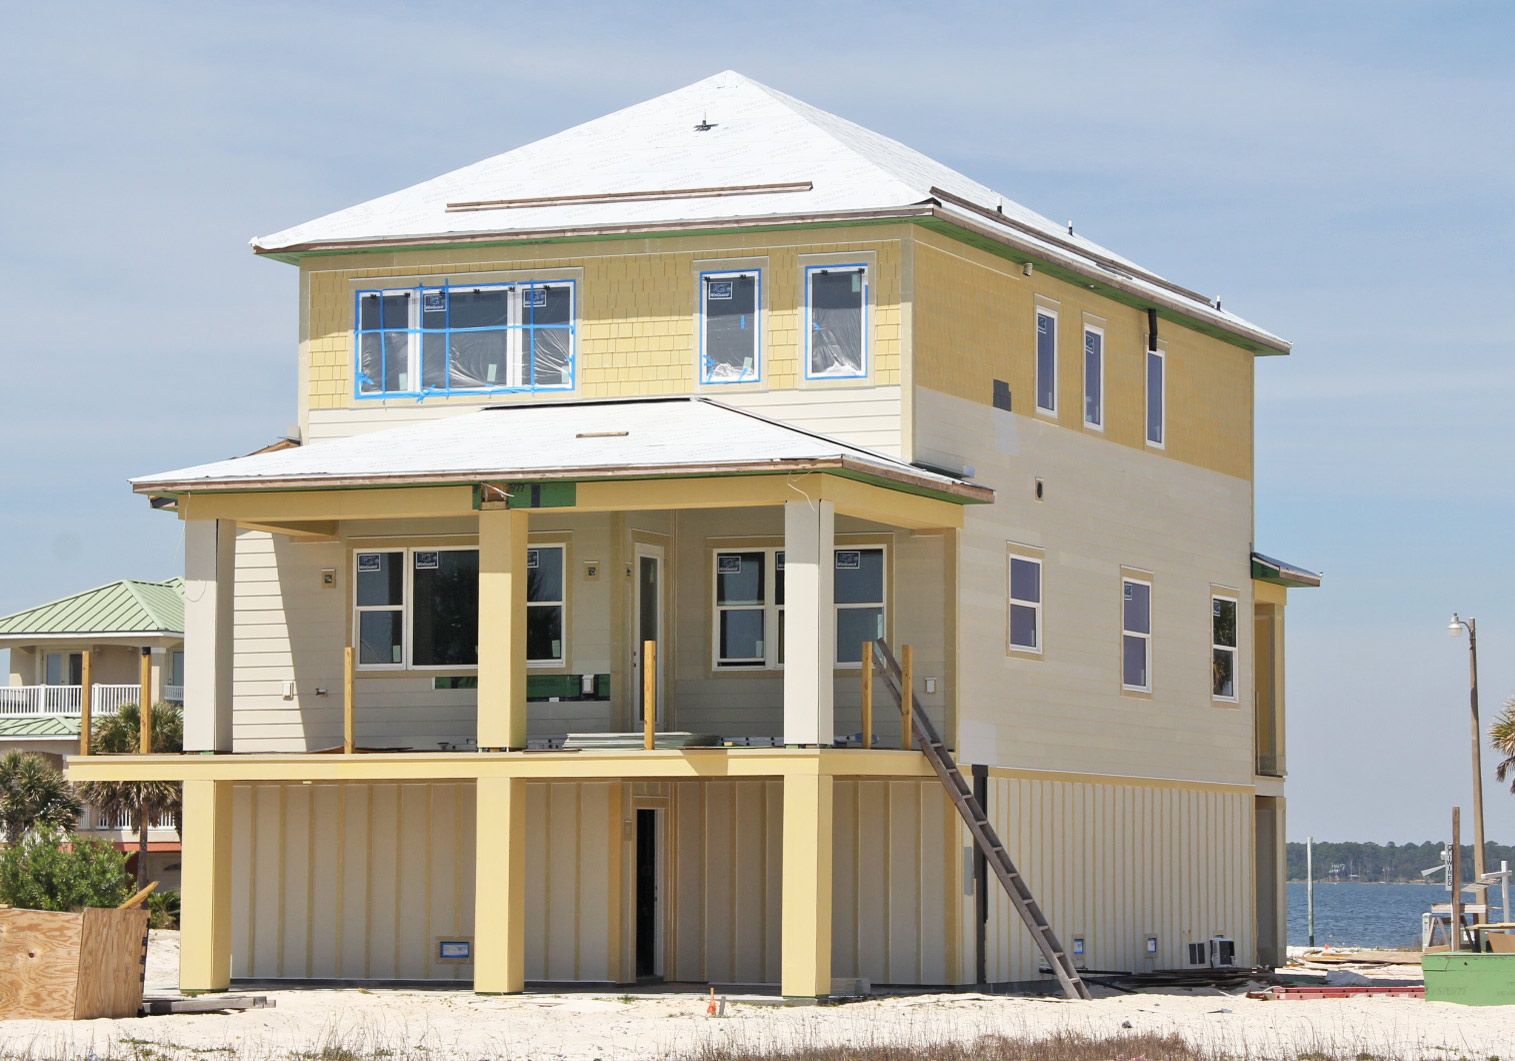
<point x="729" y="326"/>
<point x="1025" y="604"/>
<point x="1094" y="377"/>
<point x="1046" y="361"/>
<point x="1223" y="647"/>
<point x="476" y="338"/>
<point x="836" y="322"/>
<point x="1136" y="635"/>
<point x="1156" y="397"/>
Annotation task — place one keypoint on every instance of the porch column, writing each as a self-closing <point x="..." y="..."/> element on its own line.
<point x="809" y="621"/>
<point x="209" y="586"/>
<point x="499" y="910"/>
<point x="806" y="911"/>
<point x="502" y="629"/>
<point x="205" y="898"/>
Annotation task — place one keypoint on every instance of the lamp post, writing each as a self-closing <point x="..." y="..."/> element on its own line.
<point x="1455" y="628"/>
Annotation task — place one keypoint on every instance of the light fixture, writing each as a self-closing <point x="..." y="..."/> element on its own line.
<point x="1454" y="627"/>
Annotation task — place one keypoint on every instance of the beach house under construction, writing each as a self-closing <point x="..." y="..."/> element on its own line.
<point x="705" y="519"/>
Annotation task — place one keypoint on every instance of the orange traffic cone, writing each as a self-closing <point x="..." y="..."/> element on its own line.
<point x="710" y="1008"/>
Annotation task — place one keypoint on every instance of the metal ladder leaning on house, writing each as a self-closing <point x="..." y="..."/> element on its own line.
<point x="983" y="833"/>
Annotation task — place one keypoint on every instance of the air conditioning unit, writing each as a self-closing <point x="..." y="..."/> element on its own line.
<point x="1198" y="954"/>
<point x="1222" y="952"/>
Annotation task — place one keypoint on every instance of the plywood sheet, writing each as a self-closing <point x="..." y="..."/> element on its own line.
<point x="113" y="950"/>
<point x="39" y="964"/>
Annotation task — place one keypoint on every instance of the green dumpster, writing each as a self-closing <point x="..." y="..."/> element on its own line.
<point x="1469" y="978"/>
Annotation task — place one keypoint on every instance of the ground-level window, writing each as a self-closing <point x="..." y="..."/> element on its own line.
<point x="465" y="338"/>
<point x="418" y="608"/>
<point x="1223" y="647"/>
<point x="729" y="339"/>
<point x="836" y="316"/>
<point x="1094" y="376"/>
<point x="1025" y="603"/>
<point x="1136" y="635"/>
<point x="1046" y="360"/>
<point x="748" y="617"/>
<point x="1156" y="397"/>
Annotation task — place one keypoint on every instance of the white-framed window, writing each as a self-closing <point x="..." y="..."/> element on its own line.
<point x="1025" y="603"/>
<point x="464" y="339"/>
<point x="417" y="608"/>
<point x="1046" y="359"/>
<point x="730" y="326"/>
<point x="1136" y="635"/>
<point x="836" y="321"/>
<point x="1156" y="398"/>
<point x="1223" y="647"/>
<point x="176" y="667"/>
<point x="1094" y="377"/>
<point x="748" y="606"/>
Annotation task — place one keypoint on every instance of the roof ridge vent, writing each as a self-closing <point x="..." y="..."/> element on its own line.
<point x="650" y="195"/>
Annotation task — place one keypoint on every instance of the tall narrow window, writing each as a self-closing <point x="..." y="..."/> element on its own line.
<point x="444" y="624"/>
<point x="1025" y="604"/>
<point x="379" y="586"/>
<point x="1094" y="377"/>
<point x="544" y="605"/>
<point x="1156" y="397"/>
<point x="741" y="598"/>
<point x="836" y="343"/>
<point x="729" y="327"/>
<point x="1046" y="360"/>
<point x="859" y="593"/>
<point x="1136" y="635"/>
<point x="1223" y="648"/>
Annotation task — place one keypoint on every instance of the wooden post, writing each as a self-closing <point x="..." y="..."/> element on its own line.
<point x="907" y="696"/>
<point x="1456" y="878"/>
<point x="86" y="698"/>
<point x="348" y="686"/>
<point x="867" y="676"/>
<point x="145" y="706"/>
<point x="649" y="693"/>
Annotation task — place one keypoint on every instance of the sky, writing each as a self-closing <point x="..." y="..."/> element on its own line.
<point x="1340" y="173"/>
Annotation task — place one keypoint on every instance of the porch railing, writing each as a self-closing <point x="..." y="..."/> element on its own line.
<point x="174" y="694"/>
<point x="98" y="821"/>
<point x="39" y="701"/>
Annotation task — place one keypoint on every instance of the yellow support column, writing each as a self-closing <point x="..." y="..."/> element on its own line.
<point x="205" y="882"/>
<point x="502" y="629"/>
<point x="499" y="913"/>
<point x="806" y="930"/>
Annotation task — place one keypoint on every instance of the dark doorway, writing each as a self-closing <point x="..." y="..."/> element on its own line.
<point x="647" y="938"/>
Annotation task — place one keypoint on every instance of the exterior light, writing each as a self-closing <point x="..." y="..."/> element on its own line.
<point x="1454" y="628"/>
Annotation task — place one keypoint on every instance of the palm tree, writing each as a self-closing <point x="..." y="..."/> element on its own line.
<point x="33" y="795"/>
<point x="1502" y="736"/>
<point x="145" y="801"/>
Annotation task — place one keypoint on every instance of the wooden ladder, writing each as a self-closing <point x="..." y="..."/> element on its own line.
<point x="984" y="836"/>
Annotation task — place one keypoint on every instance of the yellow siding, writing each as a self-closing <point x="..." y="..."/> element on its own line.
<point x="973" y="321"/>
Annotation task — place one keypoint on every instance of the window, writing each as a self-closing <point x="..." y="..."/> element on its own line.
<point x="836" y="300"/>
<point x="1223" y="647"/>
<point x="465" y="339"/>
<point x="729" y="327"/>
<point x="1136" y="635"/>
<point x="1155" y="397"/>
<point x="1046" y="360"/>
<point x="176" y="667"/>
<point x="1094" y="377"/>
<point x="749" y="606"/>
<point x="1025" y="604"/>
<point x="419" y="608"/>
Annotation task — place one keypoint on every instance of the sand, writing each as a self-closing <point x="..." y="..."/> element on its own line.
<point x="545" y="1027"/>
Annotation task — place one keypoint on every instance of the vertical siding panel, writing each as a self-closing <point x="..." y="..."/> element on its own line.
<point x="416" y="845"/>
<point x="265" y="893"/>
<point x="594" y="902"/>
<point x="904" y="889"/>
<point x="383" y="890"/>
<point x="562" y="882"/>
<point x="689" y="803"/>
<point x="719" y="960"/>
<point x="441" y="870"/>
<point x="871" y="813"/>
<point x="933" y="921"/>
<point x="325" y="881"/>
<point x="242" y="868"/>
<point x="773" y="794"/>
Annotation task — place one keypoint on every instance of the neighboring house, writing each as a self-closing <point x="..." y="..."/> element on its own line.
<point x="115" y="625"/>
<point x="730" y="375"/>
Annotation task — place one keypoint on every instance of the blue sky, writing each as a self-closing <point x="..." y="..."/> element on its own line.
<point x="1339" y="173"/>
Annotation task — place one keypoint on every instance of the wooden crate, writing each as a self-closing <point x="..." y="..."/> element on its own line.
<point x="57" y="966"/>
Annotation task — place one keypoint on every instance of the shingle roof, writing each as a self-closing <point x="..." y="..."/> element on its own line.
<point x="599" y="439"/>
<point x="764" y="156"/>
<point x="129" y="606"/>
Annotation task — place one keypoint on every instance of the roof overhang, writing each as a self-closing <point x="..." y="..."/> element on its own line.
<point x="1279" y="573"/>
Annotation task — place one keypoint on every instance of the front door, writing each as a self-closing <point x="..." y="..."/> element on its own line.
<point x="648" y="624"/>
<point x="649" y="900"/>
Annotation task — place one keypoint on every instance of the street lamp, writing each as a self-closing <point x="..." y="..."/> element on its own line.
<point x="1455" y="628"/>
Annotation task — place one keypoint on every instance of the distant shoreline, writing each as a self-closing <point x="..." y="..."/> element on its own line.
<point x="1331" y="880"/>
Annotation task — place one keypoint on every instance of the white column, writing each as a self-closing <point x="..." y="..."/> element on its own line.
<point x="210" y="549"/>
<point x="809" y="621"/>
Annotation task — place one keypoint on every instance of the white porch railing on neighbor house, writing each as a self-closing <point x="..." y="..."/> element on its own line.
<point x="173" y="694"/>
<point x="36" y="701"/>
<point x="97" y="821"/>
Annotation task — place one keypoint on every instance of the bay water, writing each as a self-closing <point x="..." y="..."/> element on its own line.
<point x="1366" y="914"/>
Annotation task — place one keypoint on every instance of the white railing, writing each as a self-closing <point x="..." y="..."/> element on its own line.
<point x="99" y="821"/>
<point x="36" y="701"/>
<point x="174" y="694"/>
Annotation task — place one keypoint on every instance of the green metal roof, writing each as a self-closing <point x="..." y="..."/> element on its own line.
<point x="1281" y="573"/>
<point x="43" y="727"/>
<point x="125" y="607"/>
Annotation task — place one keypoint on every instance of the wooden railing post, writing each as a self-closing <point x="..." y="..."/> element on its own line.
<point x="348" y="688"/>
<point x="907" y="696"/>
<point x="649" y="693"/>
<point x="86" y="691"/>
<point x="144" y="704"/>
<point x="867" y="677"/>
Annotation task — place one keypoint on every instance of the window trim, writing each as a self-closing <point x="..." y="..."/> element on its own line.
<point x="1235" y="650"/>
<point x="1050" y="312"/>
<point x="1162" y="427"/>
<point x="358" y="610"/>
<point x="1125" y="633"/>
<point x="561" y="662"/>
<point x="701" y="278"/>
<point x="1026" y="555"/>
<point x="866" y="370"/>
<point x="1094" y="329"/>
